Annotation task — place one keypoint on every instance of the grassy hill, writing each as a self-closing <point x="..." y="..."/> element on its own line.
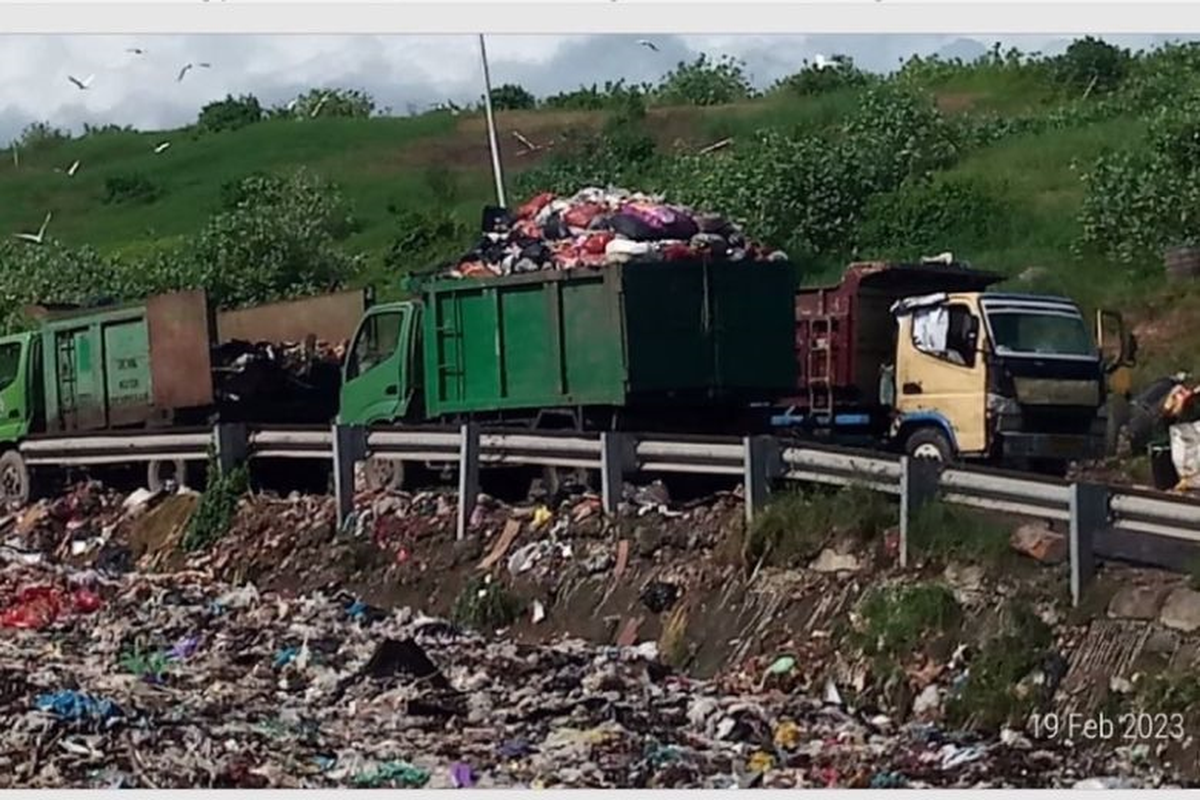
<point x="1010" y="141"/>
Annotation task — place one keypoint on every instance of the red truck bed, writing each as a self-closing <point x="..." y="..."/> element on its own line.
<point x="845" y="333"/>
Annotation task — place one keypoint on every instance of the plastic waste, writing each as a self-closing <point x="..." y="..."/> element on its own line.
<point x="782" y="665"/>
<point x="462" y="775"/>
<point x="395" y="774"/>
<point x="72" y="705"/>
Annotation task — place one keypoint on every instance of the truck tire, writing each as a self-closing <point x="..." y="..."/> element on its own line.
<point x="159" y="471"/>
<point x="14" y="479"/>
<point x="384" y="474"/>
<point x="929" y="443"/>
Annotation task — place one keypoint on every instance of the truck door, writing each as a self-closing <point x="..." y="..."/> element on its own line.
<point x="78" y="404"/>
<point x="376" y="386"/>
<point x="941" y="377"/>
<point x="14" y="387"/>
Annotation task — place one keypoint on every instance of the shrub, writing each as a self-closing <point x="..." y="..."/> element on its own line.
<point x="895" y="620"/>
<point x="705" y="82"/>
<point x="230" y="114"/>
<point x="512" y="97"/>
<point x="132" y="188"/>
<point x="942" y="531"/>
<point x="218" y="507"/>
<point x="1091" y="64"/>
<point x="352" y="103"/>
<point x="485" y="605"/>
<point x="812" y="81"/>
<point x="927" y="217"/>
<point x="795" y="526"/>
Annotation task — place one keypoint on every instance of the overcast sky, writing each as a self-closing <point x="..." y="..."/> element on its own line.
<point x="401" y="72"/>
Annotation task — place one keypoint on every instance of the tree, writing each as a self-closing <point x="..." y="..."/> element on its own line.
<point x="512" y="97"/>
<point x="1092" y="65"/>
<point x="813" y="80"/>
<point x="353" y="103"/>
<point x="705" y="83"/>
<point x="230" y="114"/>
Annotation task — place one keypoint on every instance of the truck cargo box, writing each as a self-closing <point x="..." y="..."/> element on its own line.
<point x="685" y="332"/>
<point x="844" y="334"/>
<point x="153" y="362"/>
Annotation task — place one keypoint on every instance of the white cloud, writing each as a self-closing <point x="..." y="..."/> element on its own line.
<point x="399" y="71"/>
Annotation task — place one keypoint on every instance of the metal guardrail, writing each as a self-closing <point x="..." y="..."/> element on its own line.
<point x="1151" y="519"/>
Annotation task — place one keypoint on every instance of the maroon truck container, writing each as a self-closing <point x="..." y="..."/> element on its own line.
<point x="845" y="334"/>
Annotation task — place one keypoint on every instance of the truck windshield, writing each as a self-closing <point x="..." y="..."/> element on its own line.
<point x="376" y="342"/>
<point x="1041" y="333"/>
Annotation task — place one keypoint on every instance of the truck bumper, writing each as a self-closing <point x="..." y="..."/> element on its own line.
<point x="1070" y="447"/>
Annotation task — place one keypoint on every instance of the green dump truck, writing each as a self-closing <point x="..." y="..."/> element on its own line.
<point x="686" y="346"/>
<point x="168" y="362"/>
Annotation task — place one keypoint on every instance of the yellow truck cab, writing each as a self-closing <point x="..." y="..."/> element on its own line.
<point x="1015" y="377"/>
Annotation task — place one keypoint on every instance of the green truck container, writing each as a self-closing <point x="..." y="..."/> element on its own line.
<point x="639" y="346"/>
<point x="157" y="364"/>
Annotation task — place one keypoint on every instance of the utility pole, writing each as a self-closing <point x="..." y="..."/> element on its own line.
<point x="491" y="125"/>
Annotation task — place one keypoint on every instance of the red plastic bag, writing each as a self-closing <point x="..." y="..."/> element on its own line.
<point x="86" y="601"/>
<point x="35" y="608"/>
<point x="536" y="204"/>
<point x="596" y="243"/>
<point x="581" y="216"/>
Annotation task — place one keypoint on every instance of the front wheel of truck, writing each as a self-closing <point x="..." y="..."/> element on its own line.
<point x="929" y="443"/>
<point x="384" y="474"/>
<point x="14" y="479"/>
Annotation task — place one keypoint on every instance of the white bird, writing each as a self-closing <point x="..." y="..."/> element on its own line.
<point x="291" y="106"/>
<point x="821" y="62"/>
<point x="73" y="169"/>
<point x="940" y="258"/>
<point x="648" y="44"/>
<point x="189" y="66"/>
<point x="16" y="156"/>
<point x="41" y="234"/>
<point x="162" y="147"/>
<point x="320" y="104"/>
<point x="82" y="84"/>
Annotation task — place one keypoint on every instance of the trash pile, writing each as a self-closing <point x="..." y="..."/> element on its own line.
<point x="299" y="380"/>
<point x="597" y="228"/>
<point x="177" y="680"/>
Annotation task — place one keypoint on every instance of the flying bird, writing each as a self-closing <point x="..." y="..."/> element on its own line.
<point x="137" y="51"/>
<point x="320" y="104"/>
<point x="189" y="66"/>
<point x="162" y="147"/>
<point x="41" y="234"/>
<point x="73" y="169"/>
<point x="82" y="84"/>
<point x="648" y="44"/>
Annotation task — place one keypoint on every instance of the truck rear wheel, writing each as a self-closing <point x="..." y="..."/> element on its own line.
<point x="14" y="479"/>
<point x="384" y="474"/>
<point x="929" y="443"/>
<point x="160" y="471"/>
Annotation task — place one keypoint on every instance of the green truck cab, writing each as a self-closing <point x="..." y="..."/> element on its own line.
<point x="683" y="345"/>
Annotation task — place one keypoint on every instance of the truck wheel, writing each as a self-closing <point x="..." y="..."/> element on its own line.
<point x="14" y="478"/>
<point x="557" y="479"/>
<point x="384" y="474"/>
<point x="160" y="471"/>
<point x="929" y="443"/>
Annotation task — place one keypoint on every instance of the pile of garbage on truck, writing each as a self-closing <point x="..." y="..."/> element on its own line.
<point x="258" y="373"/>
<point x="601" y="227"/>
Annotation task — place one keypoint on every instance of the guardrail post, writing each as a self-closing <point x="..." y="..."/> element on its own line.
<point x="616" y="459"/>
<point x="349" y="447"/>
<point x="919" y="482"/>
<point x="1089" y="516"/>
<point x="231" y="441"/>
<point x="763" y="463"/>
<point x="468" y="476"/>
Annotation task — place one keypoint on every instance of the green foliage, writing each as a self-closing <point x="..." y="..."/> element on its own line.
<point x="230" y="114"/>
<point x="1169" y="692"/>
<point x="275" y="237"/>
<point x="51" y="273"/>
<point x="485" y="605"/>
<point x="324" y="103"/>
<point x="795" y="526"/>
<point x="217" y="508"/>
<point x="424" y="238"/>
<point x="705" y="82"/>
<point x="994" y="694"/>
<point x="812" y="80"/>
<point x="895" y="620"/>
<point x="944" y="532"/>
<point x="512" y="97"/>
<point x="133" y="188"/>
<point x="927" y="217"/>
<point x="40" y="135"/>
<point x="1091" y="65"/>
<point x="593" y="98"/>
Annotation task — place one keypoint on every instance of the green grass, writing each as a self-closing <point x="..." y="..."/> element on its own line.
<point x="944" y="532"/>
<point x="795" y="526"/>
<point x="896" y="619"/>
